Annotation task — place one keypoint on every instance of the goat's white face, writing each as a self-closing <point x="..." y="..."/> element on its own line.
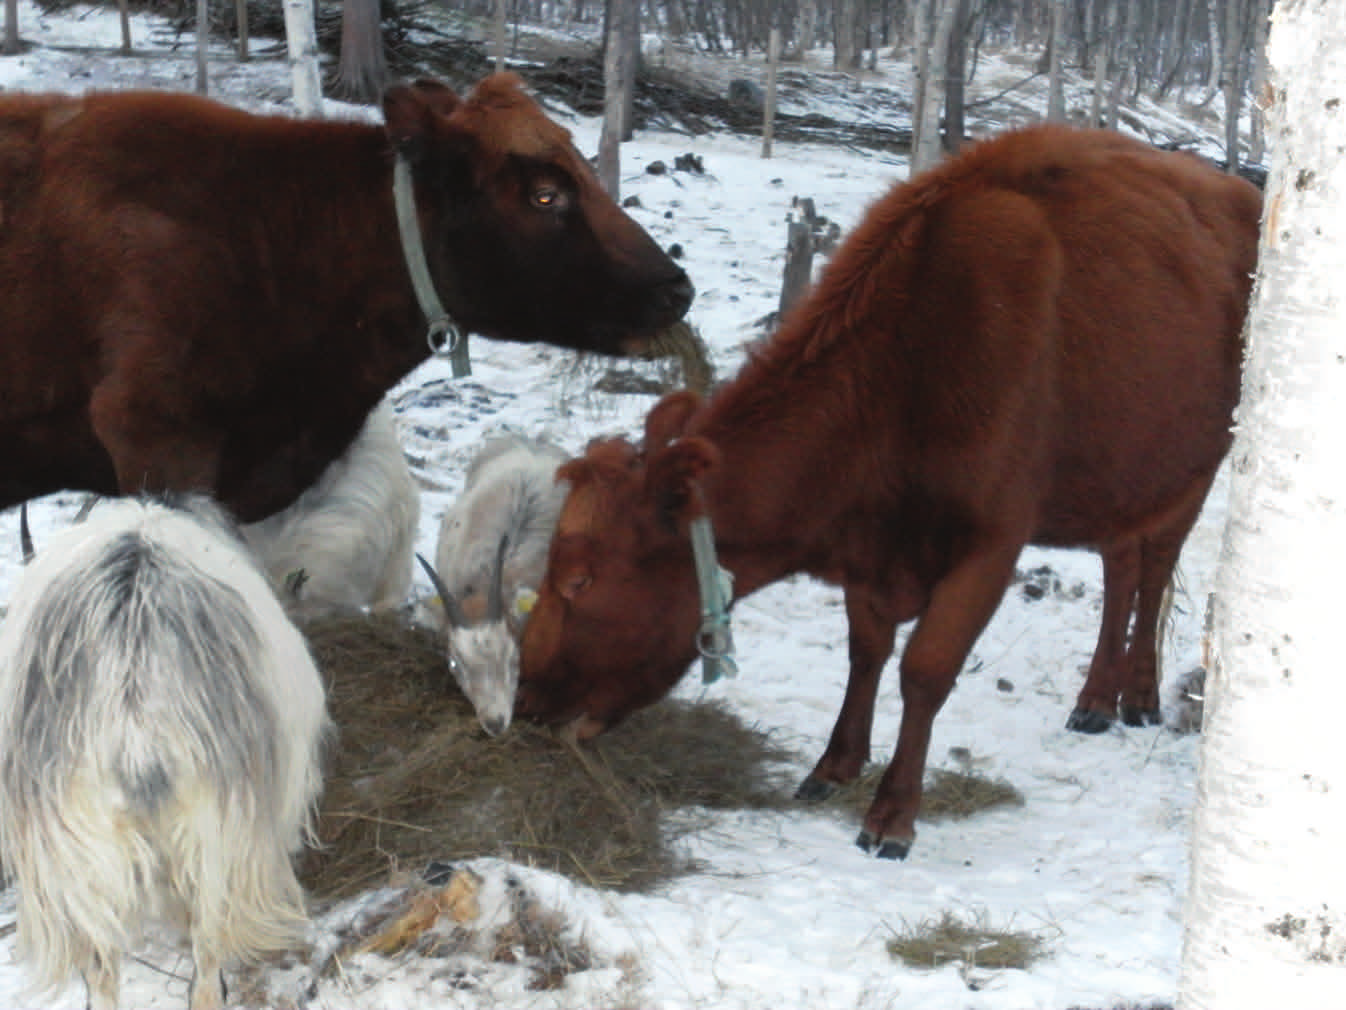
<point x="484" y="660"/>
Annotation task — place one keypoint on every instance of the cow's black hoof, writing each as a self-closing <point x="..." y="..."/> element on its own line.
<point x="815" y="790"/>
<point x="890" y="849"/>
<point x="1085" y="721"/>
<point x="1133" y="715"/>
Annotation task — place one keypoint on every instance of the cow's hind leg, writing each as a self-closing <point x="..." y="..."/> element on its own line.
<point x="1159" y="559"/>
<point x="151" y="451"/>
<point x="872" y="628"/>
<point x="1096" y="706"/>
<point x="959" y="608"/>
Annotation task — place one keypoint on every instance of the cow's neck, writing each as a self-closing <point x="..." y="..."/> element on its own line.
<point x="772" y="499"/>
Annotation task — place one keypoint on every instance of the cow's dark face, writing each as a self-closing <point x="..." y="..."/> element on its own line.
<point x="614" y="626"/>
<point x="523" y="241"/>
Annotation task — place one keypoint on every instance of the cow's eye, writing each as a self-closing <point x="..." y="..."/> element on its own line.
<point x="549" y="198"/>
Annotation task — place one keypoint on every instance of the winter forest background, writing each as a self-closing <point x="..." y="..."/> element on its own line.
<point x="785" y="912"/>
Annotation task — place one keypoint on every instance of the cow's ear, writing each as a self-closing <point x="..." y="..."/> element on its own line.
<point x="570" y="567"/>
<point x="669" y="418"/>
<point x="411" y="110"/>
<point x="672" y="477"/>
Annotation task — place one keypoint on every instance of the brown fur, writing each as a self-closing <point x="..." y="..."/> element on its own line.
<point x="196" y="297"/>
<point x="1037" y="342"/>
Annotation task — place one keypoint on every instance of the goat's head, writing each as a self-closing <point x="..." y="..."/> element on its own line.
<point x="483" y="657"/>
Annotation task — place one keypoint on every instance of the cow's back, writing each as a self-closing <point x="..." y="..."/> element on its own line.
<point x="1158" y="251"/>
<point x="134" y="227"/>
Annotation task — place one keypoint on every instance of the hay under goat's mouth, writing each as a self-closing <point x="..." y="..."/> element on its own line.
<point x="412" y="777"/>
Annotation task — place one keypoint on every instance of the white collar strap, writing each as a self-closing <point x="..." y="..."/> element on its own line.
<point x="443" y="335"/>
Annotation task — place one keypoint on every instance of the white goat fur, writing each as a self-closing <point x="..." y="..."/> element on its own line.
<point x="510" y="491"/>
<point x="352" y="533"/>
<point x="161" y="728"/>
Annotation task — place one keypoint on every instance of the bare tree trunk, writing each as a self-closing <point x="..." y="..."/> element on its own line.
<point x="769" y="109"/>
<point x="1102" y="60"/>
<point x="1123" y="59"/>
<point x="362" y="69"/>
<point x="609" y="139"/>
<point x="499" y="26"/>
<point x="920" y="37"/>
<point x="955" y="76"/>
<point x="12" y="43"/>
<point x="926" y="150"/>
<point x="920" y="73"/>
<point x="1056" y="95"/>
<point x="301" y="42"/>
<point x="808" y="25"/>
<point x="1265" y="917"/>
<point x="1231" y="79"/>
<point x="202" y="40"/>
<point x="630" y="55"/>
<point x="846" y="53"/>
<point x="1216" y="49"/>
<point x="1261" y="15"/>
<point x="1178" y="49"/>
<point x="124" y="14"/>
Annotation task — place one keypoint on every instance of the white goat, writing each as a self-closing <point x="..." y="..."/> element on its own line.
<point x="491" y="556"/>
<point x="346" y="543"/>
<point x="161" y="728"/>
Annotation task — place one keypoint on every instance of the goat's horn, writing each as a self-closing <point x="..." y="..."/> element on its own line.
<point x="495" y="601"/>
<point x="90" y="500"/>
<point x="451" y="608"/>
<point x="25" y="534"/>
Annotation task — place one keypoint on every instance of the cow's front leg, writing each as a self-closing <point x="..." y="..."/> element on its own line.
<point x="962" y="603"/>
<point x="872" y="627"/>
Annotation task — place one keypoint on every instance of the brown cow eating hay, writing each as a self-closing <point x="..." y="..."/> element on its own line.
<point x="1036" y="342"/>
<point x="193" y="297"/>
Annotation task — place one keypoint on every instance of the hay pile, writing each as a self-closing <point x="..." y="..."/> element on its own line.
<point x="413" y="778"/>
<point x="946" y="940"/>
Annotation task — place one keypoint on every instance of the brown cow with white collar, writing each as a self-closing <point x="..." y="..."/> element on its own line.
<point x="1038" y="341"/>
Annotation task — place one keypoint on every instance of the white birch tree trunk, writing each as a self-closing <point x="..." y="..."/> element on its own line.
<point x="1257" y="133"/>
<point x="928" y="145"/>
<point x="1266" y="910"/>
<point x="769" y="109"/>
<point x="1056" y="95"/>
<point x="1231" y="79"/>
<point x="301" y="42"/>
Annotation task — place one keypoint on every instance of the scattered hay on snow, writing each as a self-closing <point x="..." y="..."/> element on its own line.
<point x="413" y="778"/>
<point x="947" y="795"/>
<point x="931" y="944"/>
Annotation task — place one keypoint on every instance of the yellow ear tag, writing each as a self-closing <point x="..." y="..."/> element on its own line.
<point x="523" y="602"/>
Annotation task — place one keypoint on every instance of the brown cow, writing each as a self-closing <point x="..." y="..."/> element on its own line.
<point x="193" y="297"/>
<point x="1037" y="342"/>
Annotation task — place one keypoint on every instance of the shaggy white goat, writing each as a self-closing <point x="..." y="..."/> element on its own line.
<point x="346" y="543"/>
<point x="161" y="723"/>
<point x="491" y="555"/>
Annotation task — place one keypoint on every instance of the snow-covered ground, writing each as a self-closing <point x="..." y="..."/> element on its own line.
<point x="788" y="912"/>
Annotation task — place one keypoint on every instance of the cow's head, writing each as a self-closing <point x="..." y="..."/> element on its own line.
<point x="615" y="623"/>
<point x="522" y="240"/>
